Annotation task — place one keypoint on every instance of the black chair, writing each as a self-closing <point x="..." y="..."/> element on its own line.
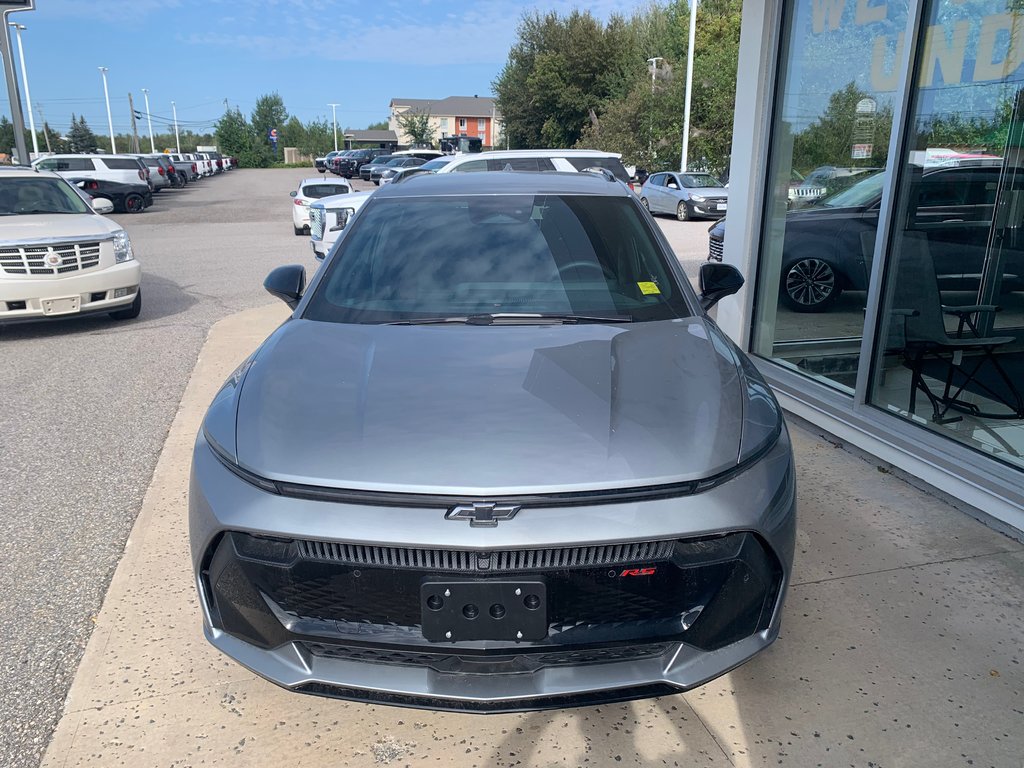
<point x="966" y="359"/>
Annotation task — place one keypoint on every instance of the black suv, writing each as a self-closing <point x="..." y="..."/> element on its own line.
<point x="351" y="163"/>
<point x="828" y="247"/>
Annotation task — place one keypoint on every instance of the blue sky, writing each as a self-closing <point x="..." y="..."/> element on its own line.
<point x="198" y="53"/>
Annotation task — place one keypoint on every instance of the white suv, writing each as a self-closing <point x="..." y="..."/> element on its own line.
<point x="127" y="169"/>
<point x="58" y="256"/>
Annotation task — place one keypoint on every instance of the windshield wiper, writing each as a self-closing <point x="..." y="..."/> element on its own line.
<point x="515" y="318"/>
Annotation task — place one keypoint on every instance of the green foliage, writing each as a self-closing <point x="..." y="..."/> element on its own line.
<point x="235" y="136"/>
<point x="417" y="126"/>
<point x="560" y="73"/>
<point x="318" y="139"/>
<point x="829" y="139"/>
<point x="6" y="135"/>
<point x="380" y="126"/>
<point x="646" y="124"/>
<point x="80" y="136"/>
<point x="268" y="113"/>
<point x="292" y="133"/>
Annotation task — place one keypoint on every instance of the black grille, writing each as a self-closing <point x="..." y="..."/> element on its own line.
<point x="458" y="560"/>
<point x="447" y="662"/>
<point x="716" y="248"/>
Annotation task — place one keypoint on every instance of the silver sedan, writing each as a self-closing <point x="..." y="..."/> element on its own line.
<point x="685" y="195"/>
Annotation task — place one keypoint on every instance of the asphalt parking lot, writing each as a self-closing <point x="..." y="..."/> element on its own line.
<point x="88" y="407"/>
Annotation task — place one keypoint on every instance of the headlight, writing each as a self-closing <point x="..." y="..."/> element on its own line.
<point x="341" y="218"/>
<point x="388" y="173"/>
<point x="698" y="198"/>
<point x="122" y="247"/>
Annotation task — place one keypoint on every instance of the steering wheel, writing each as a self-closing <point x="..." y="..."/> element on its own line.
<point x="591" y="265"/>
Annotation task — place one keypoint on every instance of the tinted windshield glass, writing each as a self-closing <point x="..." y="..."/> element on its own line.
<point x="698" y="180"/>
<point x="121" y="163"/>
<point x="433" y="165"/>
<point x="864" y="192"/>
<point x="316" y="191"/>
<point x="28" y="196"/>
<point x="396" y="162"/>
<point x="440" y="256"/>
<point x="382" y="159"/>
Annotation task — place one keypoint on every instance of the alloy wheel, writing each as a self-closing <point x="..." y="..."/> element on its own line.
<point x="811" y="284"/>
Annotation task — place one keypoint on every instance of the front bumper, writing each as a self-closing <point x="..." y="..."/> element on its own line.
<point x="294" y="610"/>
<point x="23" y="299"/>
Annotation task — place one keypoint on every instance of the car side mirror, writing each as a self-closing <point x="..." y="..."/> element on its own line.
<point x="293" y="193"/>
<point x="102" y="205"/>
<point x="717" y="281"/>
<point x="287" y="283"/>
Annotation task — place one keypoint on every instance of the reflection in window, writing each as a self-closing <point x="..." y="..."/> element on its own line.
<point x="830" y="136"/>
<point x="951" y="331"/>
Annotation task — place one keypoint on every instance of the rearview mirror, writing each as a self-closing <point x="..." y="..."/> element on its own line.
<point x="717" y="281"/>
<point x="287" y="283"/>
<point x="102" y="205"/>
<point x="293" y="193"/>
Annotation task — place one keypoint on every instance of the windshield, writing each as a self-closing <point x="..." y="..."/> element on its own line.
<point x="433" y="165"/>
<point x="698" y="180"/>
<point x="316" y="191"/>
<point x="442" y="257"/>
<point x="26" y="195"/>
<point x="864" y="192"/>
<point x="396" y="162"/>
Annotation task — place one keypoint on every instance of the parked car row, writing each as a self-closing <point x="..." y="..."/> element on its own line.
<point x="129" y="180"/>
<point x="350" y="162"/>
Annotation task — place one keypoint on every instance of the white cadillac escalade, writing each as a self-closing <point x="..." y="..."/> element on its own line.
<point x="58" y="255"/>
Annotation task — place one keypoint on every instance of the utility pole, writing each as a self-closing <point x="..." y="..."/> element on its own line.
<point x="135" y="132"/>
<point x="334" y="110"/>
<point x="28" y="96"/>
<point x="689" y="86"/>
<point x="14" y="95"/>
<point x="46" y="128"/>
<point x="653" y="62"/>
<point x="177" y="139"/>
<point x="149" y="121"/>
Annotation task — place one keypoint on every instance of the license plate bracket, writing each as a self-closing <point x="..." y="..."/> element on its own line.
<point x="62" y="305"/>
<point x="483" y="609"/>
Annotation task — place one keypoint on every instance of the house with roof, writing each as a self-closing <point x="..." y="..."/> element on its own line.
<point x="451" y="116"/>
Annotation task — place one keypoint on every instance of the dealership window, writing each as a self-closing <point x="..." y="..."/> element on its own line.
<point x="838" y="78"/>
<point x="950" y="346"/>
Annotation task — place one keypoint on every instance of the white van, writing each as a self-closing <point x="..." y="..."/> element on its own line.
<point x="126" y="169"/>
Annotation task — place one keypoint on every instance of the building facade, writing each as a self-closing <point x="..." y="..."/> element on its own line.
<point x="474" y="116"/>
<point x="876" y="209"/>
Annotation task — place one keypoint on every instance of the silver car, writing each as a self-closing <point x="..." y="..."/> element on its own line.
<point x="499" y="458"/>
<point x="685" y="195"/>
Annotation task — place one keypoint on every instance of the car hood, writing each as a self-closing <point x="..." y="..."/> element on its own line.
<point x="709" y="191"/>
<point x="490" y="409"/>
<point x="56" y="226"/>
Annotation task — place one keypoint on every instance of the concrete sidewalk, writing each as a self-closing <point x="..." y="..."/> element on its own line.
<point x="901" y="646"/>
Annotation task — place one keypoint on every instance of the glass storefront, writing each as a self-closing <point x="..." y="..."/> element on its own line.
<point x="948" y="325"/>
<point x="837" y="87"/>
<point x="950" y="349"/>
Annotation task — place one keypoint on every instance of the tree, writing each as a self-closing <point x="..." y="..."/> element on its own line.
<point x="80" y="136"/>
<point x="237" y="137"/>
<point x="318" y="139"/>
<point x="559" y="72"/>
<point x="829" y="139"/>
<point x="380" y="126"/>
<point x="292" y="133"/>
<point x="6" y="135"/>
<point x="268" y="113"/>
<point x="417" y="126"/>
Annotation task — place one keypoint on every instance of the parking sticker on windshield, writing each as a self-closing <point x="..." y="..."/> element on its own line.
<point x="648" y="289"/>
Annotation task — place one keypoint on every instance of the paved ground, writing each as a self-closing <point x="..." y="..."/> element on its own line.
<point x="87" y="407"/>
<point x="900" y="646"/>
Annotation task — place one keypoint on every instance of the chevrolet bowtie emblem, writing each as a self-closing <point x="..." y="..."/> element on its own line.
<point x="482" y="514"/>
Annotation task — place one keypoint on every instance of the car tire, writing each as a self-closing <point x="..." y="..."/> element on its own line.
<point x="134" y="203"/>
<point x="131" y="312"/>
<point x="810" y="284"/>
<point x="645" y="204"/>
<point x="682" y="211"/>
<point x="322" y="170"/>
<point x="300" y="230"/>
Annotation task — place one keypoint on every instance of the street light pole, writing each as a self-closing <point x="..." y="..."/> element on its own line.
<point x="149" y="121"/>
<point x="28" y="96"/>
<point x="334" y="110"/>
<point x="177" y="140"/>
<point x="689" y="86"/>
<point x="110" y="118"/>
<point x="653" y="64"/>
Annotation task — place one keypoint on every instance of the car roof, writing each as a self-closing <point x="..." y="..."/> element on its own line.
<point x="509" y="153"/>
<point x="505" y="183"/>
<point x="323" y="180"/>
<point x="25" y="170"/>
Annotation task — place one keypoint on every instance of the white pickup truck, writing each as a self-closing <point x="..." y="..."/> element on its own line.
<point x="328" y="216"/>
